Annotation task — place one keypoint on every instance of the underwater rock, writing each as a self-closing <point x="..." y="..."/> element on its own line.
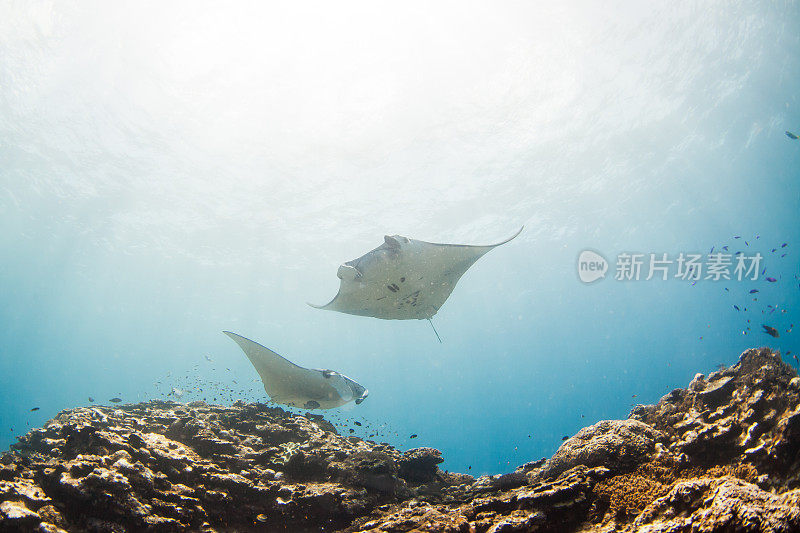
<point x="614" y="444"/>
<point x="723" y="504"/>
<point x="169" y="466"/>
<point x="722" y="454"/>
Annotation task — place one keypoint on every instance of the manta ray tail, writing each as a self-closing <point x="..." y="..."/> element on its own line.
<point x="434" y="330"/>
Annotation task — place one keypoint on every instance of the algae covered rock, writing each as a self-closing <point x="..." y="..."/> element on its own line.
<point x="615" y="444"/>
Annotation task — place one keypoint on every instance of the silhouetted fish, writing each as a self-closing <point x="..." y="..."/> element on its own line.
<point x="736" y="307"/>
<point x="115" y="400"/>
<point x="414" y="436"/>
<point x="791" y="135"/>
<point x="35" y="409"/>
<point x="784" y="245"/>
<point x="91" y="399"/>
<point x="357" y="423"/>
<point x="565" y="437"/>
<point x="770" y="331"/>
<point x="753" y="291"/>
<point x="772" y="280"/>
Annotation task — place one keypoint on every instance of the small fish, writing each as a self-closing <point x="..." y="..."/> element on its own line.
<point x="115" y="400"/>
<point x="34" y="409"/>
<point x="795" y="358"/>
<point x="357" y="423"/>
<point x="783" y="255"/>
<point x="565" y="437"/>
<point x="634" y="396"/>
<point x="352" y="430"/>
<point x="772" y="280"/>
<point x="91" y="399"/>
<point x="753" y="291"/>
<point x="414" y="436"/>
<point x="262" y="518"/>
<point x="725" y="248"/>
<point x="773" y="250"/>
<point x="746" y="243"/>
<point x="469" y="467"/>
<point x="208" y="358"/>
<point x="764" y="271"/>
<point x="784" y="245"/>
<point x="736" y="307"/>
<point x="711" y="251"/>
<point x="791" y="135"/>
<point x="737" y="237"/>
<point x="770" y="331"/>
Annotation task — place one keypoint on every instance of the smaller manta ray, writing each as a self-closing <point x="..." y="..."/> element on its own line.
<point x="289" y="384"/>
<point x="403" y="278"/>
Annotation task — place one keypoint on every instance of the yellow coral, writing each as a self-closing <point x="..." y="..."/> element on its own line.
<point x="628" y="494"/>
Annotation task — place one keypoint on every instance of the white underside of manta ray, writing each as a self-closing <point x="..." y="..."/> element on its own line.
<point x="404" y="278"/>
<point x="289" y="384"/>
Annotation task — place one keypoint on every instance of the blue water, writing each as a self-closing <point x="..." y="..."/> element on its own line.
<point x="171" y="171"/>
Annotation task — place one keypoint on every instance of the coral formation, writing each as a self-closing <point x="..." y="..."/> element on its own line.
<point x="723" y="454"/>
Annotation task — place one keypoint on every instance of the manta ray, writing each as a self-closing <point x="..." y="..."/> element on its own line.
<point x="289" y="384"/>
<point x="404" y="278"/>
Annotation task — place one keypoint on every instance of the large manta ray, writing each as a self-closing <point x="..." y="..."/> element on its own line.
<point x="289" y="384"/>
<point x="403" y="278"/>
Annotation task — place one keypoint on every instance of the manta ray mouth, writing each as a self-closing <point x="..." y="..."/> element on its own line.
<point x="362" y="397"/>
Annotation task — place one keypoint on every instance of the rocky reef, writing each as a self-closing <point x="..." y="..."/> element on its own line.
<point x="720" y="455"/>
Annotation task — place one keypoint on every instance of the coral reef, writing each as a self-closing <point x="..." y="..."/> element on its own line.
<point x="723" y="454"/>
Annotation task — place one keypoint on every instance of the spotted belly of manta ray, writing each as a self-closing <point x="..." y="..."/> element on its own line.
<point x="403" y="278"/>
<point x="289" y="384"/>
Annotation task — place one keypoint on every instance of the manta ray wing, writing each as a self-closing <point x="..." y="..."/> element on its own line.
<point x="404" y="278"/>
